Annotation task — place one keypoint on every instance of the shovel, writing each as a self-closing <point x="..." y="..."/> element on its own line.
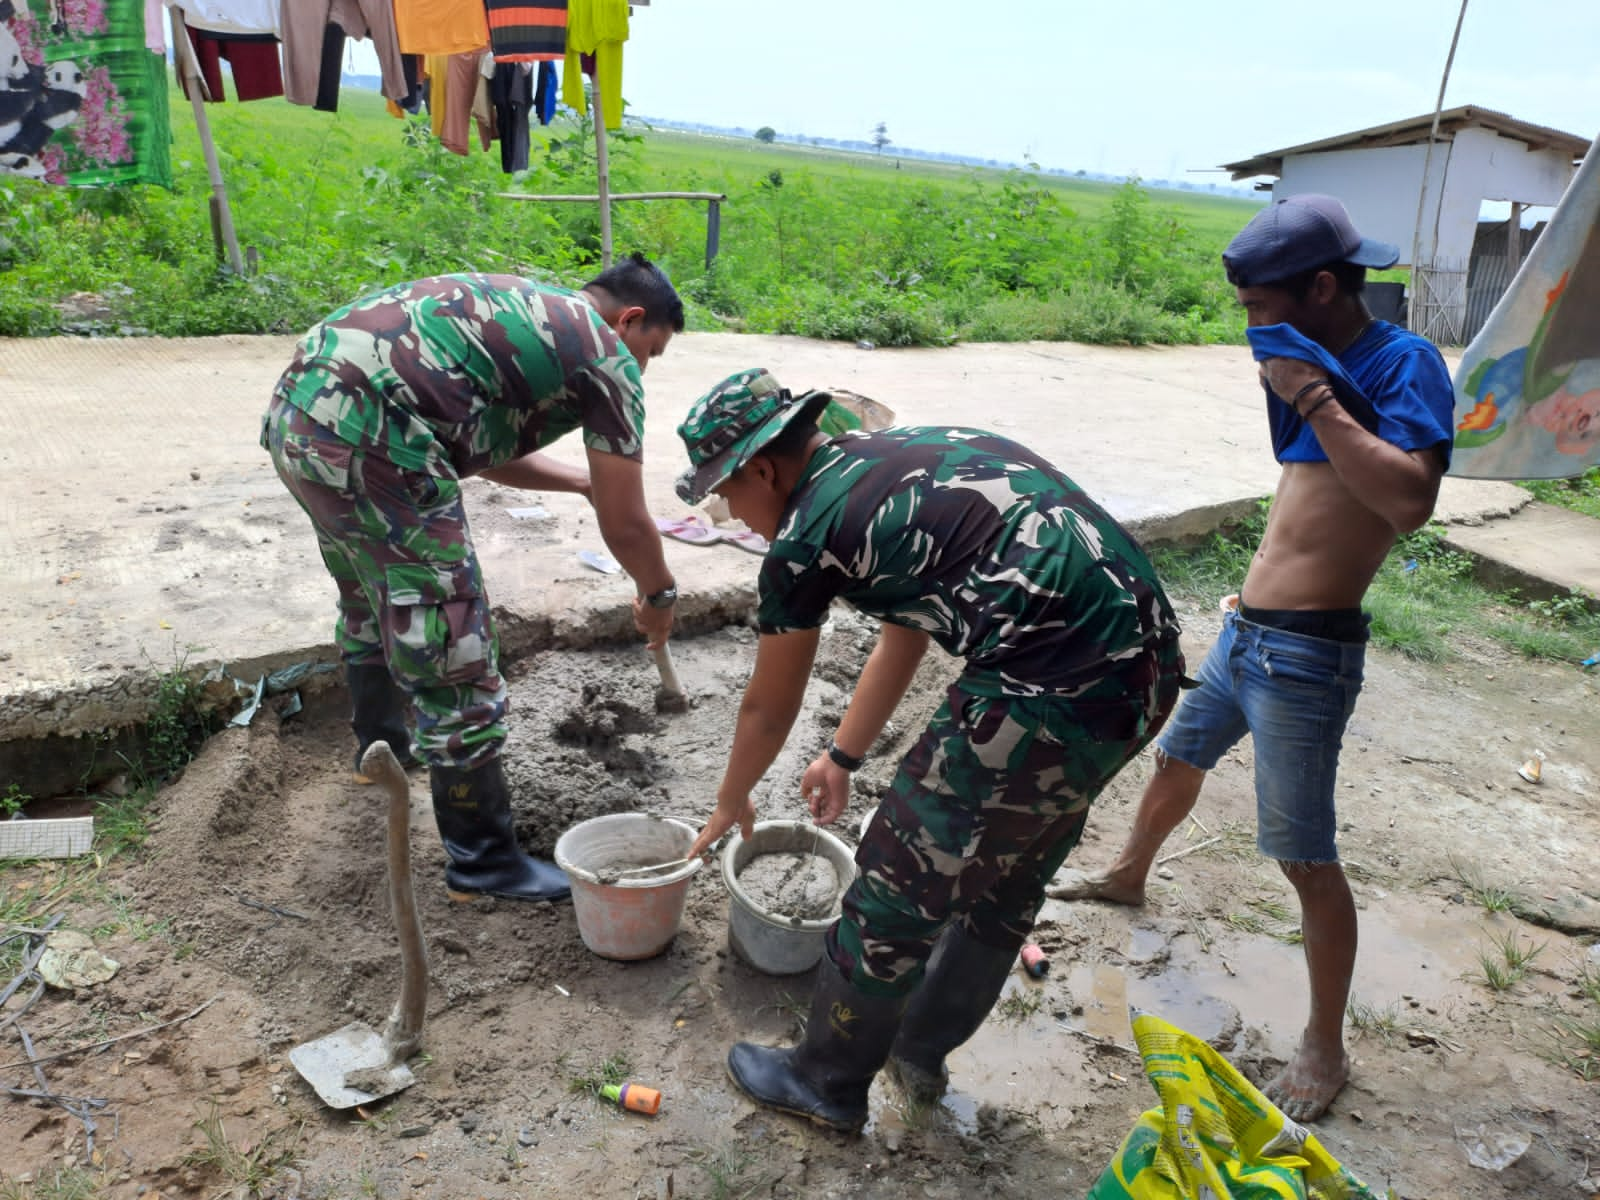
<point x="357" y="1064"/>
<point x="670" y="696"/>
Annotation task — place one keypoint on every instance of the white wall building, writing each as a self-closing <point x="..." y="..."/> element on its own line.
<point x="1379" y="172"/>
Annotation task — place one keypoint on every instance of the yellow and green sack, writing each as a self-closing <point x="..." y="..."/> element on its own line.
<point x="1215" y="1135"/>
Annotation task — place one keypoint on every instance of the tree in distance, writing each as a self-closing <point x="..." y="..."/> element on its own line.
<point x="880" y="136"/>
<point x="766" y="134"/>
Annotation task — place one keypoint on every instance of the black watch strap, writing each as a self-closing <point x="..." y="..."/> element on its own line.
<point x="665" y="598"/>
<point x="840" y="759"/>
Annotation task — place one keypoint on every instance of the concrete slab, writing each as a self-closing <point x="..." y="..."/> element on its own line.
<point x="141" y="524"/>
<point x="1542" y="550"/>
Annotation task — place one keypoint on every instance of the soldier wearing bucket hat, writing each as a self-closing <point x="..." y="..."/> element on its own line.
<point x="965" y="539"/>
<point x="1360" y="413"/>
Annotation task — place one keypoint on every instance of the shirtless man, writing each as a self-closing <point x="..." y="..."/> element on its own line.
<point x="1360" y="412"/>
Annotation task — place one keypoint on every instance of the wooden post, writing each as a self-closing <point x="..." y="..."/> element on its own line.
<point x="221" y="213"/>
<point x="713" y="230"/>
<point x="603" y="174"/>
<point x="1514" y="241"/>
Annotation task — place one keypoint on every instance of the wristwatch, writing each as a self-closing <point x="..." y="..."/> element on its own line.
<point x="665" y="598"/>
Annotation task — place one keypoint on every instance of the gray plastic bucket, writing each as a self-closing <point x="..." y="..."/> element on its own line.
<point x="779" y="945"/>
<point x="635" y="917"/>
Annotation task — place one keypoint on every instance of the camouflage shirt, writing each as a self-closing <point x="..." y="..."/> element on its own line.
<point x="462" y="372"/>
<point x="974" y="539"/>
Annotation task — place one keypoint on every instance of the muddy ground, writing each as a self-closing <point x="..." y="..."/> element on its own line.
<point x="1041" y="1098"/>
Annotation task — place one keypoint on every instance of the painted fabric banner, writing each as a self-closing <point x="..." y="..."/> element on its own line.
<point x="82" y="100"/>
<point x="1528" y="388"/>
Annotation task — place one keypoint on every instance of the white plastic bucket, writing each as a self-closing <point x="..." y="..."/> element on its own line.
<point x="635" y="917"/>
<point x="774" y="944"/>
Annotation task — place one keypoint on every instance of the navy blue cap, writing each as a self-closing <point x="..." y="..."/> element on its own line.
<point x="1296" y="234"/>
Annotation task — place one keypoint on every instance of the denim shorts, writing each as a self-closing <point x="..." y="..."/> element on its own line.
<point x="1293" y="694"/>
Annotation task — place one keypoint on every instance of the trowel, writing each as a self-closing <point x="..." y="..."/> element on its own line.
<point x="357" y="1064"/>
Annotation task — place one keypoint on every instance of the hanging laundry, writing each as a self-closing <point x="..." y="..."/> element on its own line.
<point x="252" y="58"/>
<point x="82" y="101"/>
<point x="528" y="30"/>
<point x="231" y="16"/>
<point x="482" y="105"/>
<point x="597" y="27"/>
<point x="437" y="69"/>
<point x="462" y="70"/>
<point x="412" y="65"/>
<point x="544" y="93"/>
<point x="310" y="75"/>
<point x="441" y="26"/>
<point x="511" y="90"/>
<point x="1528" y="387"/>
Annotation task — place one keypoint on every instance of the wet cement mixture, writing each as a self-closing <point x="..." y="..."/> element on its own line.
<point x="259" y="899"/>
<point x="802" y="887"/>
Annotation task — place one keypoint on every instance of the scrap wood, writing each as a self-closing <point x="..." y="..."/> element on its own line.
<point x="1186" y="851"/>
<point x="123" y="1037"/>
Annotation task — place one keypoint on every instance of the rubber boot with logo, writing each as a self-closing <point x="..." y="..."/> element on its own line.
<point x="473" y="811"/>
<point x="828" y="1075"/>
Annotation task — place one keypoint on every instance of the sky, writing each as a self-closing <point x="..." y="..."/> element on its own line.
<point x="1162" y="88"/>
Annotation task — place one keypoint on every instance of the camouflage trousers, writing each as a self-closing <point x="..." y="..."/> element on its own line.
<point x="984" y="810"/>
<point x="410" y="592"/>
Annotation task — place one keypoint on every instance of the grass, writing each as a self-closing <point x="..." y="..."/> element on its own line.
<point x="65" y="1183"/>
<point x="730" y="1173"/>
<point x="1019" y="1005"/>
<point x="1269" y="917"/>
<point x="248" y="1170"/>
<point x="1383" y="1023"/>
<point x="1505" y="962"/>
<point x="1580" y="494"/>
<point x="1490" y="898"/>
<point x="610" y="1072"/>
<point x="1576" y="1046"/>
<point x="823" y="243"/>
<point x="1423" y="599"/>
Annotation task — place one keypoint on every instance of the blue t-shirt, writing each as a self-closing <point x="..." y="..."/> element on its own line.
<point x="1392" y="381"/>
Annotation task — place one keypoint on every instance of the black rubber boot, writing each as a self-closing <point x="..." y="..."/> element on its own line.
<point x="828" y="1075"/>
<point x="963" y="981"/>
<point x="474" y="816"/>
<point x="377" y="713"/>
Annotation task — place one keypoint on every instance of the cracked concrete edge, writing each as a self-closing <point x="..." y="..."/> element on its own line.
<point x="54" y="740"/>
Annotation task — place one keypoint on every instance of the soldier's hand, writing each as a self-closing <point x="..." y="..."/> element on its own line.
<point x="740" y="812"/>
<point x="826" y="786"/>
<point x="654" y="623"/>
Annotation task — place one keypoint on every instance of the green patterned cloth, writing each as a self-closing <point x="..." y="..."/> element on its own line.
<point x="458" y="373"/>
<point x="82" y="101"/>
<point x="974" y="539"/>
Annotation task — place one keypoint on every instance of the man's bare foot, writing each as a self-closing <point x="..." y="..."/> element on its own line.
<point x="1072" y="884"/>
<point x="1305" y="1088"/>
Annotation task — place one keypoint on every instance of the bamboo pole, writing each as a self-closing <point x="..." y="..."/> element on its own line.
<point x="603" y="176"/>
<point x="616" y="196"/>
<point x="221" y="213"/>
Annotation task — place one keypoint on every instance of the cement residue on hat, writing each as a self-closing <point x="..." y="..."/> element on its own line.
<point x="729" y="425"/>
<point x="1300" y="233"/>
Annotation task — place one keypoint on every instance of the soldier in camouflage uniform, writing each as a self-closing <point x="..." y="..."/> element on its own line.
<point x="388" y="405"/>
<point x="962" y="538"/>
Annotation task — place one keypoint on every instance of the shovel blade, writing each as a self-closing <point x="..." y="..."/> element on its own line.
<point x="351" y="1066"/>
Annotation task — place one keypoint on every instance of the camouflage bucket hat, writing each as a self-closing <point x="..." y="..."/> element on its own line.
<point x="727" y="427"/>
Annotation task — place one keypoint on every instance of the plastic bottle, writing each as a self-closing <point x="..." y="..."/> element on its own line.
<point x="634" y="1097"/>
<point x="1034" y="961"/>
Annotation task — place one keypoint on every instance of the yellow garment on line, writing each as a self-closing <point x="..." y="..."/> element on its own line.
<point x="437" y="68"/>
<point x="597" y="27"/>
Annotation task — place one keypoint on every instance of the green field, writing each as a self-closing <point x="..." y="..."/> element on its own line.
<point x="819" y="242"/>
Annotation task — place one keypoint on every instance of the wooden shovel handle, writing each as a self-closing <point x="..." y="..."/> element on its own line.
<point x="403" y="1033"/>
<point x="669" y="673"/>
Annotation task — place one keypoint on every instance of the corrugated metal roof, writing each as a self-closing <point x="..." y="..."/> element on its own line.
<point x="1414" y="130"/>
